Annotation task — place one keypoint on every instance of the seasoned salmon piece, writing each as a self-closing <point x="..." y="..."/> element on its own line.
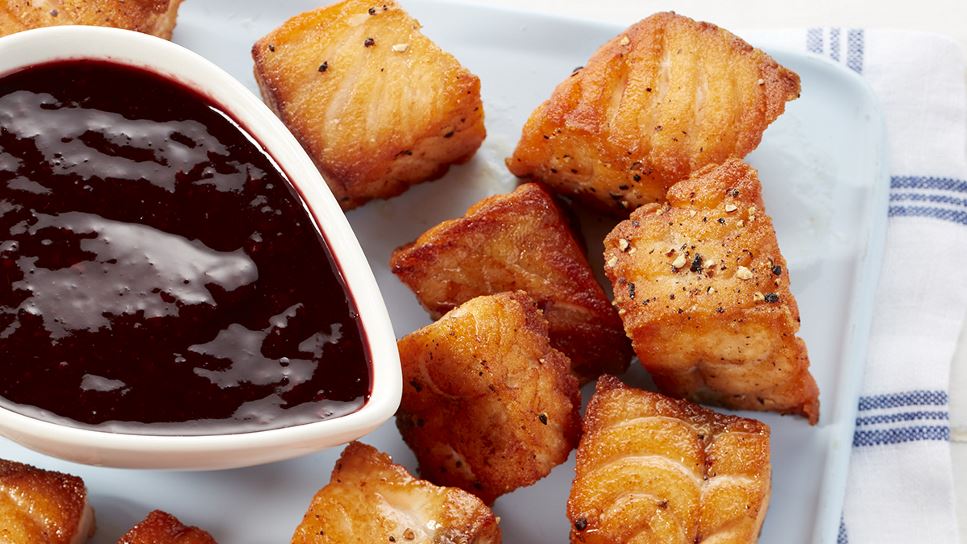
<point x="155" y="17"/>
<point x="376" y="104"/>
<point x="42" y="507"/>
<point x="703" y="291"/>
<point x="654" y="469"/>
<point x="163" y="528"/>
<point x="370" y="499"/>
<point x="659" y="101"/>
<point x="488" y="405"/>
<point x="521" y="240"/>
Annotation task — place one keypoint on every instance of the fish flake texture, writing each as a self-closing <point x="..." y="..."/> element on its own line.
<point x="376" y="104"/>
<point x="659" y="101"/>
<point x="703" y="291"/>
<point x="371" y="499"/>
<point x="654" y="469"/>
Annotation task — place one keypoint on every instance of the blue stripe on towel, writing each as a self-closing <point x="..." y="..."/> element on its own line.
<point x="882" y="437"/>
<point x="928" y="182"/>
<point x="854" y="49"/>
<point x="842" y="537"/>
<point x="907" y="398"/>
<point x="814" y="40"/>
<point x="944" y="214"/>
<point x="834" y="43"/>
<point x="926" y="197"/>
<point x="904" y="416"/>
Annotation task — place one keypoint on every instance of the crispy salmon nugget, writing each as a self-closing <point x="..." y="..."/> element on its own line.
<point x="488" y="405"/>
<point x="661" y="100"/>
<point x="376" y="104"/>
<point x="155" y="17"/>
<point x="42" y="507"/>
<point x="653" y="469"/>
<point x="163" y="528"/>
<point x="703" y="291"/>
<point x="370" y="499"/>
<point x="519" y="241"/>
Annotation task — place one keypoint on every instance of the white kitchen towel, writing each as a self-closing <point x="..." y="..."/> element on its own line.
<point x="901" y="483"/>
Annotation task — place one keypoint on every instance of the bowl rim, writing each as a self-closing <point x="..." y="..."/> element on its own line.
<point x="70" y="42"/>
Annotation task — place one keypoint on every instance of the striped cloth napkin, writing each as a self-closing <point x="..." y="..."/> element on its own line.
<point x="900" y="486"/>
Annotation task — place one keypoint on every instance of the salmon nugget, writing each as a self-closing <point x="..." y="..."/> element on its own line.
<point x="42" y="507"/>
<point x="703" y="291"/>
<point x="653" y="469"/>
<point x="659" y="101"/>
<point x="163" y="528"/>
<point x="488" y="405"/>
<point x="519" y="241"/>
<point x="376" y="104"/>
<point x="155" y="17"/>
<point x="370" y="499"/>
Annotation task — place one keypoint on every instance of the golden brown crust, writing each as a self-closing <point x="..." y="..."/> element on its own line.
<point x="157" y="17"/>
<point x="488" y="405"/>
<point x="664" y="98"/>
<point x="655" y="469"/>
<point x="375" y="118"/>
<point x="42" y="507"/>
<point x="163" y="528"/>
<point x="703" y="291"/>
<point x="370" y="499"/>
<point x="520" y="240"/>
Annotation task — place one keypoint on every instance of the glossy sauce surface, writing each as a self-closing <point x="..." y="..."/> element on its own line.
<point x="158" y="273"/>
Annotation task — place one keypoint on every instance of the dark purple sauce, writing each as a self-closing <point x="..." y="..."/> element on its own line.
<point x="158" y="273"/>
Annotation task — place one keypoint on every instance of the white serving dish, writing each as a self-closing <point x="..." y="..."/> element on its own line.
<point x="227" y="450"/>
<point x="823" y="170"/>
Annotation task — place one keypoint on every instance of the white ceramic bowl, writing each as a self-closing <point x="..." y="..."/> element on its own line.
<point x="229" y="450"/>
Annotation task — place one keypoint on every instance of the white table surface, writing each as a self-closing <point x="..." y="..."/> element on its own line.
<point x="943" y="16"/>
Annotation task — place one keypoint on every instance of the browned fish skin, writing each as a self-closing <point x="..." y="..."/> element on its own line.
<point x="155" y="17"/>
<point x="370" y="499"/>
<point x="654" y="469"/>
<point x="659" y="101"/>
<point x="163" y="528"/>
<point x="703" y="291"/>
<point x="42" y="507"/>
<point x="488" y="404"/>
<point x="376" y="104"/>
<point x="523" y="241"/>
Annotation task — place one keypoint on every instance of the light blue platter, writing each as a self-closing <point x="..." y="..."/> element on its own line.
<point x="823" y="168"/>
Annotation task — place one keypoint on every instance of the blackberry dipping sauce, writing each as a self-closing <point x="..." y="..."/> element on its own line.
<point x="158" y="272"/>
